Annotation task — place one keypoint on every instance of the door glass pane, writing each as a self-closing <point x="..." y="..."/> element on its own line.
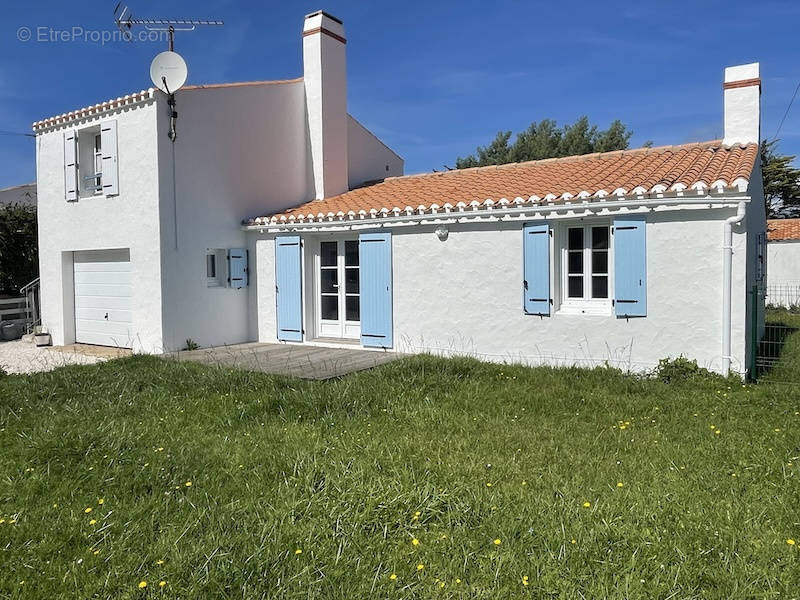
<point x="599" y="286"/>
<point x="351" y="281"/>
<point x="330" y="308"/>
<point x="600" y="238"/>
<point x="327" y="252"/>
<point x="576" y="238"/>
<point x="600" y="261"/>
<point x="575" y="262"/>
<point x="575" y="286"/>
<point x="329" y="280"/>
<point x="352" y="308"/>
<point x="351" y="253"/>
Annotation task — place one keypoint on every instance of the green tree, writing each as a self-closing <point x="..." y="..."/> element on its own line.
<point x="19" y="255"/>
<point x="781" y="182"/>
<point x="546" y="139"/>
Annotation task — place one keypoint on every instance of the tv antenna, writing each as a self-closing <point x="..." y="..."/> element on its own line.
<point x="168" y="70"/>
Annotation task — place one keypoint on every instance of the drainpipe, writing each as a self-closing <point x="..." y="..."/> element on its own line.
<point x="727" y="284"/>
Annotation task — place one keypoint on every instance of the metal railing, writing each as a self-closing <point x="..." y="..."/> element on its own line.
<point x="32" y="294"/>
<point x="785" y="295"/>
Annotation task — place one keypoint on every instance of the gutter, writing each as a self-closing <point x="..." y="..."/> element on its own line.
<point x="471" y="214"/>
<point x="727" y="284"/>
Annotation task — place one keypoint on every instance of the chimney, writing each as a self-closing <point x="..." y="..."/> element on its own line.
<point x="742" y="91"/>
<point x="325" y="79"/>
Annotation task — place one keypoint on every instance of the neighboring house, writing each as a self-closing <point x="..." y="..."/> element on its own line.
<point x="24" y="195"/>
<point x="783" y="258"/>
<point x="621" y="258"/>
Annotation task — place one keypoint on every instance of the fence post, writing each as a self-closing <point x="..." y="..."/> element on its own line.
<point x="753" y="333"/>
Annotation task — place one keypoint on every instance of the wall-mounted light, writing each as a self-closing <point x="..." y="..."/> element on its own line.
<point x="442" y="232"/>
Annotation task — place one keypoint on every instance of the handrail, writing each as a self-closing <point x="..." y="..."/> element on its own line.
<point x="27" y="286"/>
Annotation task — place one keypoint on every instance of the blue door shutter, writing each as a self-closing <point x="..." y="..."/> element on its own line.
<point x="536" y="285"/>
<point x="237" y="268"/>
<point x="288" y="288"/>
<point x="375" y="282"/>
<point x="630" y="267"/>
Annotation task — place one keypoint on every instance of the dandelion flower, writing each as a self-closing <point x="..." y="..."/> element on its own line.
<point x="441" y="584"/>
<point x="420" y="566"/>
<point x="188" y="484"/>
<point x="393" y="576"/>
<point x="497" y="542"/>
<point x="790" y="542"/>
<point x="88" y="509"/>
<point x="298" y="551"/>
<point x="101" y="501"/>
<point x="458" y="581"/>
<point x="159" y="562"/>
<point x="573" y="541"/>
<point x="524" y="483"/>
<point x="162" y="583"/>
<point x="96" y="552"/>
<point x="524" y="580"/>
<point x="620" y="484"/>
<point x="415" y="542"/>
<point x="587" y="504"/>
<point x="93" y="521"/>
<point x="488" y="484"/>
<point x="716" y="432"/>
<point x="142" y="584"/>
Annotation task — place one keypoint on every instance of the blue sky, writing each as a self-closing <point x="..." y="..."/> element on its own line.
<point x="432" y="79"/>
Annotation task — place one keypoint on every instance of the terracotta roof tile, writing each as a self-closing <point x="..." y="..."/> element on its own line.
<point x="783" y="229"/>
<point x="593" y="175"/>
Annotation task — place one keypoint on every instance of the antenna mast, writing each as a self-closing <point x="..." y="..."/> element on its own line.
<point x="123" y="17"/>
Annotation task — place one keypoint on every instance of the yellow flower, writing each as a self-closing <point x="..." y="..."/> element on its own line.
<point x="298" y="551"/>
<point x="420" y="566"/>
<point x="55" y="505"/>
<point x="93" y="521"/>
<point x="488" y="484"/>
<point x="441" y="584"/>
<point x="458" y="581"/>
<point x="790" y="542"/>
<point x="573" y="541"/>
<point x="524" y="483"/>
<point x="188" y="484"/>
<point x="159" y="562"/>
<point x="587" y="504"/>
<point x="162" y="583"/>
<point x="497" y="542"/>
<point x="620" y="484"/>
<point x="716" y="432"/>
<point x="392" y="576"/>
<point x="2" y="521"/>
<point x="101" y="501"/>
<point x="142" y="585"/>
<point x="777" y="429"/>
<point x="88" y="509"/>
<point x="524" y="580"/>
<point x="415" y="542"/>
<point x="96" y="552"/>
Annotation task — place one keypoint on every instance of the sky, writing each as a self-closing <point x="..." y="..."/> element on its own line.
<point x="432" y="79"/>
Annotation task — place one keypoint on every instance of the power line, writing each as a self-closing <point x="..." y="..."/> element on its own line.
<point x="17" y="133"/>
<point x="787" y="112"/>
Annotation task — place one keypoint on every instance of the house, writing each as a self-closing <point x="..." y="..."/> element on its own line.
<point x="277" y="217"/>
<point x="22" y="195"/>
<point x="783" y="258"/>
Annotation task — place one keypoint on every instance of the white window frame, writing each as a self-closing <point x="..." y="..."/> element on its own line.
<point x="342" y="328"/>
<point x="220" y="277"/>
<point x="88" y="149"/>
<point x="586" y="305"/>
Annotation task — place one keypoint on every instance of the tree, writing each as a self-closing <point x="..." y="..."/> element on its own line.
<point x="781" y="182"/>
<point x="19" y="255"/>
<point x="546" y="140"/>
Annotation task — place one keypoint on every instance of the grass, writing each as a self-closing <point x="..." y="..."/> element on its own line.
<point x="595" y="484"/>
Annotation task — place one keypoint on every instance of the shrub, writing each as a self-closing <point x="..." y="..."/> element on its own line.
<point x="19" y="256"/>
<point x="676" y="370"/>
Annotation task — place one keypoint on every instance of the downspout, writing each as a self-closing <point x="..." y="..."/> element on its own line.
<point x="727" y="284"/>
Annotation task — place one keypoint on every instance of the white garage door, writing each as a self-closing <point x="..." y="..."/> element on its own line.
<point x="103" y="298"/>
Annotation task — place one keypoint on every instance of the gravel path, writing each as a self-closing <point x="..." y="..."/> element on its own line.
<point x="25" y="357"/>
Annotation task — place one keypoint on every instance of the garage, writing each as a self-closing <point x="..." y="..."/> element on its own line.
<point x="103" y="297"/>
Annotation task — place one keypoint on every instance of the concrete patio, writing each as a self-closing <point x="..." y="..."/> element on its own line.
<point x="294" y="360"/>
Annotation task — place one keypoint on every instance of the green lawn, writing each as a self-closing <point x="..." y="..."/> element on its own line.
<point x="514" y="482"/>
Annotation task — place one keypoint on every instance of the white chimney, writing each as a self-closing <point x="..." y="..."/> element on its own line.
<point x="325" y="78"/>
<point x="742" y="90"/>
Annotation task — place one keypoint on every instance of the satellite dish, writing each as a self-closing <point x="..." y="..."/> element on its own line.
<point x="168" y="72"/>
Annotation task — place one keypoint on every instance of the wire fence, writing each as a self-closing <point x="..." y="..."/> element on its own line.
<point x="775" y="354"/>
<point x="783" y="295"/>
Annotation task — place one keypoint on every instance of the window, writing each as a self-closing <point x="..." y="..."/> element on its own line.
<point x="586" y="260"/>
<point x="90" y="161"/>
<point x="339" y="295"/>
<point x="215" y="266"/>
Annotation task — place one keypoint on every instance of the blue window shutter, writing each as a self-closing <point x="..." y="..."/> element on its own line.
<point x="70" y="166"/>
<point x="288" y="288"/>
<point x="108" y="148"/>
<point x="237" y="268"/>
<point x="375" y="258"/>
<point x="630" y="267"/>
<point x="536" y="285"/>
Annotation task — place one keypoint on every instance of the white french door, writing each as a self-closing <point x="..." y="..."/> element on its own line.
<point x="338" y="298"/>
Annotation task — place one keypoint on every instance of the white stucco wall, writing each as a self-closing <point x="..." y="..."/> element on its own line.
<point x="783" y="272"/>
<point x="241" y="152"/>
<point x="464" y="296"/>
<point x="368" y="157"/>
<point x="129" y="220"/>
